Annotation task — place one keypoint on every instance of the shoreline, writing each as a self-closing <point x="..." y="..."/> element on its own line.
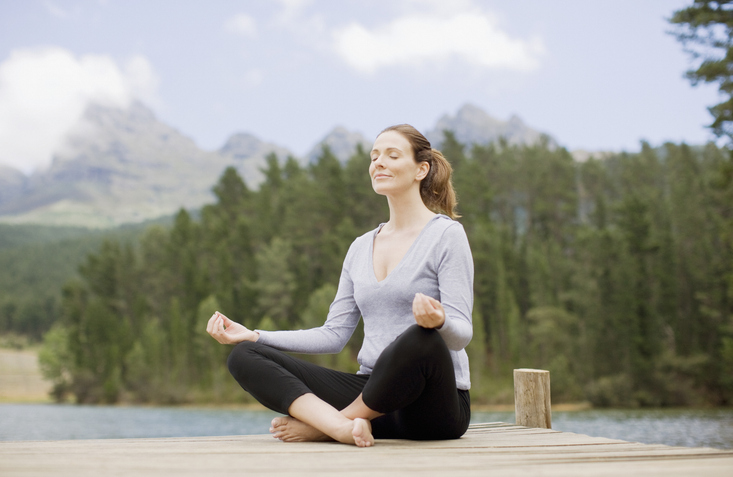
<point x="561" y="407"/>
<point x="21" y="382"/>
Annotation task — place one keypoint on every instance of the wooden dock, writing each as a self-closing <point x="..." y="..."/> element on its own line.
<point x="486" y="449"/>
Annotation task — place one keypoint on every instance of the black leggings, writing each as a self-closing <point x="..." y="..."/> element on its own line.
<point x="413" y="383"/>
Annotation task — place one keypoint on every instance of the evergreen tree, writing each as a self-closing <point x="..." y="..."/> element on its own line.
<point x="706" y="30"/>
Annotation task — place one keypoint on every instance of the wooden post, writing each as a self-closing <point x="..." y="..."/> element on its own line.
<point x="532" y="398"/>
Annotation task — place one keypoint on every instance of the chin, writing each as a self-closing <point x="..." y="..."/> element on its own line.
<point x="379" y="190"/>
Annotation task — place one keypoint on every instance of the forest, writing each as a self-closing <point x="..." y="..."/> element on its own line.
<point x="615" y="274"/>
<point x="35" y="262"/>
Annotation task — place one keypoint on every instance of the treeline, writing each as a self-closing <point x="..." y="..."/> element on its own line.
<point x="616" y="275"/>
<point x="35" y="262"/>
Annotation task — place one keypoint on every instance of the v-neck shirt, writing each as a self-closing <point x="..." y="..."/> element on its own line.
<point x="438" y="264"/>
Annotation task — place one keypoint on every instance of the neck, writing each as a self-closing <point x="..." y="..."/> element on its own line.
<point x="408" y="211"/>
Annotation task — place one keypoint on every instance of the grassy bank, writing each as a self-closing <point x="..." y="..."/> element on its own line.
<point x="20" y="377"/>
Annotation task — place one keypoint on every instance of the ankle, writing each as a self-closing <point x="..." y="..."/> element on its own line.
<point x="343" y="432"/>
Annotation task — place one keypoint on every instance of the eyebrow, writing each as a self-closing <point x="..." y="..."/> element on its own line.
<point x="388" y="149"/>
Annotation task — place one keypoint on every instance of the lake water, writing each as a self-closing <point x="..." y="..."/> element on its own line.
<point x="692" y="428"/>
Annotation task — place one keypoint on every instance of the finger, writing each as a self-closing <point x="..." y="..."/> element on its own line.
<point x="422" y="317"/>
<point x="436" y="309"/>
<point x="416" y="308"/>
<point x="432" y="307"/>
<point x="432" y="301"/>
<point x="424" y="298"/>
<point x="210" y="323"/>
<point x="220" y="336"/>
<point x="215" y="327"/>
<point x="421" y="304"/>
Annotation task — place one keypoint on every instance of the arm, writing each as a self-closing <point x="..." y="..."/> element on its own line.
<point x="343" y="316"/>
<point x="455" y="282"/>
<point x="332" y="336"/>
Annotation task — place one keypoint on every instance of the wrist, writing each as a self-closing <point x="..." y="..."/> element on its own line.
<point x="442" y="322"/>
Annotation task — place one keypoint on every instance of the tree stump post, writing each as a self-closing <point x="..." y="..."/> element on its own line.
<point x="532" y="398"/>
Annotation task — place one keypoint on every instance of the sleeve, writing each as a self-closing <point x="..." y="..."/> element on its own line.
<point x="455" y="282"/>
<point x="332" y="336"/>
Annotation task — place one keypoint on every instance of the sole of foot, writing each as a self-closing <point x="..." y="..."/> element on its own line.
<point x="362" y="433"/>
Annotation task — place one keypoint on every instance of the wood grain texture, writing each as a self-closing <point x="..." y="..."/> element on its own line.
<point x="486" y="449"/>
<point x="532" y="406"/>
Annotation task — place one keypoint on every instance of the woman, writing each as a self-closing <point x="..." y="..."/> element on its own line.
<point x="411" y="280"/>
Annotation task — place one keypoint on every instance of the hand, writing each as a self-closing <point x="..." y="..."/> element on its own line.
<point x="428" y="311"/>
<point x="225" y="331"/>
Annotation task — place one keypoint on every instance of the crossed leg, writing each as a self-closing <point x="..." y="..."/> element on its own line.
<point x="414" y="377"/>
<point x="310" y="395"/>
<point x="315" y="420"/>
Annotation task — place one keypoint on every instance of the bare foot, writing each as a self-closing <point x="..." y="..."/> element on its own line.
<point x="362" y="433"/>
<point x="289" y="429"/>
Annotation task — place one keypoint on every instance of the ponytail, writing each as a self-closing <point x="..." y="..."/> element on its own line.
<point x="436" y="190"/>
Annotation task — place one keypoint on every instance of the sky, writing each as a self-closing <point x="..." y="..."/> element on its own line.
<point x="595" y="75"/>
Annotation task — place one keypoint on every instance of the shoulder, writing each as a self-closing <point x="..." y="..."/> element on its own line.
<point x="362" y="243"/>
<point x="445" y="228"/>
<point x="449" y="240"/>
<point x="365" y="239"/>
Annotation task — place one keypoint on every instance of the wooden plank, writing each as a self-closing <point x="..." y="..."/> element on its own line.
<point x="495" y="448"/>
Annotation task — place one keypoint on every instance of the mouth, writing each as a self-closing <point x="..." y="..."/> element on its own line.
<point x="381" y="176"/>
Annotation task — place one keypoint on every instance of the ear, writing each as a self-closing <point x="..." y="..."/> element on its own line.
<point x="422" y="170"/>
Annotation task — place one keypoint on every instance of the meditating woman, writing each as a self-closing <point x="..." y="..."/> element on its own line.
<point x="411" y="280"/>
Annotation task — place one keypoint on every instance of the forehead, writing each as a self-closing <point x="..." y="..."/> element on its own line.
<point x="392" y="139"/>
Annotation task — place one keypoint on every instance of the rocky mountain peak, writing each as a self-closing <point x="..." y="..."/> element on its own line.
<point x="472" y="124"/>
<point x="248" y="154"/>
<point x="117" y="165"/>
<point x="123" y="165"/>
<point x="241" y="145"/>
<point x="342" y="143"/>
<point x="136" y="117"/>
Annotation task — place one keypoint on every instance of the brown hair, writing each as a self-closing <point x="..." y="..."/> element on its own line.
<point x="436" y="190"/>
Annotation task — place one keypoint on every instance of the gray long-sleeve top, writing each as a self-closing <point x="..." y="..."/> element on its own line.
<point x="438" y="264"/>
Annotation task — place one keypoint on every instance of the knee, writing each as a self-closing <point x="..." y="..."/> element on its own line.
<point x="241" y="357"/>
<point x="419" y="340"/>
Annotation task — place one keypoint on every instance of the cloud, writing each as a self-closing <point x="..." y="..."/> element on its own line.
<point x="59" y="12"/>
<point x="472" y="36"/>
<point x="292" y="9"/>
<point x="298" y="18"/>
<point x="242" y="24"/>
<point x="44" y="92"/>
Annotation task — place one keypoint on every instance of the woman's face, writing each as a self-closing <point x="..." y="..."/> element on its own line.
<point x="393" y="168"/>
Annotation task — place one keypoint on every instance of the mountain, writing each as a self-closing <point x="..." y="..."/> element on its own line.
<point x="342" y="143"/>
<point x="248" y="154"/>
<point x="472" y="124"/>
<point x="12" y="183"/>
<point x="124" y="165"/>
<point x="117" y="166"/>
